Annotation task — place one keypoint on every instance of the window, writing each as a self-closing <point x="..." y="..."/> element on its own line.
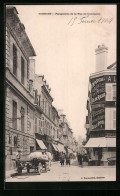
<point x="110" y="92"/>
<point x="14" y="60"/>
<point x="45" y="106"/>
<point x="22" y="119"/>
<point x="15" y="141"/>
<point x="110" y="119"/>
<point x="35" y="124"/>
<point x="49" y="112"/>
<point x="114" y="119"/>
<point x="39" y="100"/>
<point x="9" y="141"/>
<point x="27" y="71"/>
<point x="31" y="149"/>
<point x="114" y="92"/>
<point x="14" y="115"/>
<point x="22" y="70"/>
<point x="29" y="124"/>
<point x="39" y="125"/>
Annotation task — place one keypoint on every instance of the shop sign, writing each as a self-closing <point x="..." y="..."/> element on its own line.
<point x="110" y="79"/>
<point x="98" y="89"/>
<point x="98" y="103"/>
<point x="98" y="119"/>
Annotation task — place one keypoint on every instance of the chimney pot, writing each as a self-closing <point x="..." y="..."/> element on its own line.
<point x="101" y="57"/>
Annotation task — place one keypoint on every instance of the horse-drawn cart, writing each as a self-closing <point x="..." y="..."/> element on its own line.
<point x="35" y="160"/>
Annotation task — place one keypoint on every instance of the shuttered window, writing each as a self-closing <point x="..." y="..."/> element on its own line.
<point x="35" y="124"/>
<point x="39" y="125"/>
<point x="22" y="70"/>
<point x="15" y="141"/>
<point x="114" y="119"/>
<point x="108" y="92"/>
<point x="22" y="119"/>
<point x="14" y="60"/>
<point x="114" y="92"/>
<point x="14" y="115"/>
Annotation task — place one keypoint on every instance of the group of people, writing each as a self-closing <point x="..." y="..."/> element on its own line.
<point x="64" y="158"/>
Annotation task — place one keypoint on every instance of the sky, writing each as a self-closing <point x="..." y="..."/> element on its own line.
<point x="66" y="51"/>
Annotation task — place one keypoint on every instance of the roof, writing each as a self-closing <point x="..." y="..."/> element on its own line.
<point x="112" y="66"/>
<point x="18" y="30"/>
<point x="101" y="142"/>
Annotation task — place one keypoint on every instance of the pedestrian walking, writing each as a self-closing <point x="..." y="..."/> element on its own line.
<point x="80" y="160"/>
<point x="68" y="159"/>
<point x="62" y="159"/>
<point x="78" y="156"/>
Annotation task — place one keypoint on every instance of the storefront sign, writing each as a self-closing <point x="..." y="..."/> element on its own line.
<point x="110" y="79"/>
<point x="98" y="119"/>
<point x="98" y="89"/>
<point x="110" y="104"/>
<point x="98" y="103"/>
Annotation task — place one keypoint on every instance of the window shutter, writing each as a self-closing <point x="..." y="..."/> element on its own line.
<point x="114" y="119"/>
<point x="108" y="92"/>
<point x="114" y="92"/>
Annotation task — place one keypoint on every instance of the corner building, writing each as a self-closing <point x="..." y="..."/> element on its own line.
<point x="101" y="105"/>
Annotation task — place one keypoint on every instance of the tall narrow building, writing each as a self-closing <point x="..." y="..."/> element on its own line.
<point x="101" y="106"/>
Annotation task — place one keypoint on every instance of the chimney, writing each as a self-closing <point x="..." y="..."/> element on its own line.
<point x="101" y="57"/>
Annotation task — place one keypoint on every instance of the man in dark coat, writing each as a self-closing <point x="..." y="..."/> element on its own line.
<point x="62" y="159"/>
<point x="68" y="159"/>
<point x="80" y="159"/>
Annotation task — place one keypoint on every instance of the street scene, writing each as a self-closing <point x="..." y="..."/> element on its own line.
<point x="74" y="172"/>
<point x="60" y="85"/>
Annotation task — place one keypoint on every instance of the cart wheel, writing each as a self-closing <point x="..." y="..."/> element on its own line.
<point x="39" y="168"/>
<point x="46" y="167"/>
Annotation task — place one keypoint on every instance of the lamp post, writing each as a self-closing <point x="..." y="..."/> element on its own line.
<point x="22" y="112"/>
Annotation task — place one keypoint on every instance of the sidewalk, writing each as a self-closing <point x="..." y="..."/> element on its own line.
<point x="13" y="172"/>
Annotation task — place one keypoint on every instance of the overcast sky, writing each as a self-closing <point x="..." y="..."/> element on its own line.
<point x="66" y="52"/>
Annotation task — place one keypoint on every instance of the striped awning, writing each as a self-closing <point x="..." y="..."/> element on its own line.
<point x="101" y="142"/>
<point x="55" y="147"/>
<point x="60" y="148"/>
<point x="70" y="151"/>
<point x="41" y="144"/>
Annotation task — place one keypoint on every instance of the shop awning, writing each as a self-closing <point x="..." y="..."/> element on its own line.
<point x="60" y="148"/>
<point x="41" y="144"/>
<point x="54" y="146"/>
<point x="70" y="151"/>
<point x="101" y="142"/>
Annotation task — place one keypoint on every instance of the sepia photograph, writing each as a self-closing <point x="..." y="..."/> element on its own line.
<point x="60" y="93"/>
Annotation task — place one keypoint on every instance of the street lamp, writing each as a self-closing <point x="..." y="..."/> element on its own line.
<point x="22" y="112"/>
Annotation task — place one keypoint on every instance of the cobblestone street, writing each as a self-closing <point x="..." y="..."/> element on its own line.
<point x="66" y="173"/>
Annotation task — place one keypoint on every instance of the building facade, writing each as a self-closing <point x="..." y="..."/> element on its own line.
<point x="19" y="101"/>
<point x="31" y="121"/>
<point x="101" y="106"/>
<point x="46" y="115"/>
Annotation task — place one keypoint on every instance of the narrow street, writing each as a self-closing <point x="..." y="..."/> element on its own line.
<point x="66" y="173"/>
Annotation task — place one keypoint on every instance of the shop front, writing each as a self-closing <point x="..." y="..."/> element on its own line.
<point x="101" y="151"/>
<point x="55" y="152"/>
<point x="43" y="142"/>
